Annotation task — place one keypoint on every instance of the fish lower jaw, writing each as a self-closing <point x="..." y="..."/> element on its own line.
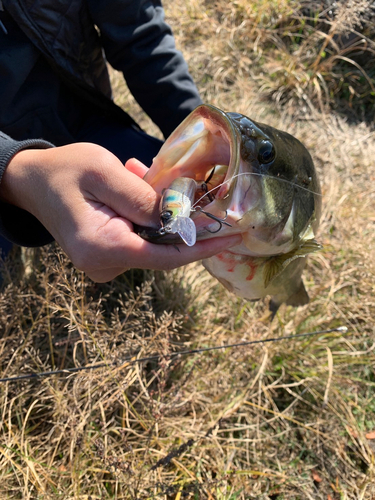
<point x="250" y="246"/>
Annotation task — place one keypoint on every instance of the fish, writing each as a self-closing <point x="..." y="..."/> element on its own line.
<point x="259" y="180"/>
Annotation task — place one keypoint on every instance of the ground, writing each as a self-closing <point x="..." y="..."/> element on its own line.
<point x="285" y="420"/>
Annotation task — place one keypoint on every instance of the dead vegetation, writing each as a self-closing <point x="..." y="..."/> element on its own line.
<point x="288" y="420"/>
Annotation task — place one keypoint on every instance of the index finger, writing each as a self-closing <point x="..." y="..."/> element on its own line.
<point x="136" y="167"/>
<point x="146" y="255"/>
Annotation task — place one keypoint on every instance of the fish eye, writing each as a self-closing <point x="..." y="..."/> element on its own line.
<point x="266" y="152"/>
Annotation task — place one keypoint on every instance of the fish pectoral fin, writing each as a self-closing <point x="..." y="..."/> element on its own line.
<point x="310" y="246"/>
<point x="272" y="268"/>
<point x="276" y="265"/>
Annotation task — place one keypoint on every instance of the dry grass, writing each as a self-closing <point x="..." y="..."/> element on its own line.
<point x="290" y="420"/>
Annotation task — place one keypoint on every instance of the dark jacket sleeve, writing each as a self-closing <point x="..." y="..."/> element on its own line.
<point x="17" y="225"/>
<point x="138" y="42"/>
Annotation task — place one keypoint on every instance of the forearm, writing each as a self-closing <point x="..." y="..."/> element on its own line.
<point x="138" y="42"/>
<point x="17" y="224"/>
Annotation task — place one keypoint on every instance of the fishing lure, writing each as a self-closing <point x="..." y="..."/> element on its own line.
<point x="177" y="204"/>
<point x="175" y="210"/>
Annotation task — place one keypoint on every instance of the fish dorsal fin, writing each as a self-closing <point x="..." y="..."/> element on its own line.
<point x="186" y="229"/>
<point x="276" y="265"/>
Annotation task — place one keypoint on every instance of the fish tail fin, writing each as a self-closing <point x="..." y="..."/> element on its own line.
<point x="298" y="298"/>
<point x="273" y="307"/>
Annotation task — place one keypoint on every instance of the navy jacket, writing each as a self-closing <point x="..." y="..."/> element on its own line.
<point x="53" y="73"/>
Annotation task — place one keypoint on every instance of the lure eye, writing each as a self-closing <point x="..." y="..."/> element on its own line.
<point x="266" y="152"/>
<point x="165" y="217"/>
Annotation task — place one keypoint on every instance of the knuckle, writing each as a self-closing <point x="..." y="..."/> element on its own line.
<point x="147" y="204"/>
<point x="100" y="160"/>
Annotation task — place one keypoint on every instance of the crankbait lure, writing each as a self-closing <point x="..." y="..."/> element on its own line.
<point x="177" y="204"/>
<point x="175" y="208"/>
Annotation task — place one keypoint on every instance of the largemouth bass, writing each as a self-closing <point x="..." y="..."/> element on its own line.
<point x="262" y="182"/>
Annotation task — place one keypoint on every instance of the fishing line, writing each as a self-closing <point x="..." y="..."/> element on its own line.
<point x="157" y="357"/>
<point x="260" y="175"/>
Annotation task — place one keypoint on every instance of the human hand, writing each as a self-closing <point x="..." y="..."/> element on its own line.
<point x="88" y="201"/>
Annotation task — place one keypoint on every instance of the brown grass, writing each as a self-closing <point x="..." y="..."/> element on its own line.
<point x="290" y="420"/>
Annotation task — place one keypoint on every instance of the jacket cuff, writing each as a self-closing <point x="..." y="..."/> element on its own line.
<point x="18" y="225"/>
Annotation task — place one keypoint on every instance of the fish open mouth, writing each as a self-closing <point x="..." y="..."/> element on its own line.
<point x="204" y="147"/>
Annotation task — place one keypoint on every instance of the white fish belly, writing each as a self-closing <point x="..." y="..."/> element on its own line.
<point x="240" y="274"/>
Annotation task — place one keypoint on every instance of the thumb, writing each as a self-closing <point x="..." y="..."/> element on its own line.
<point x="127" y="194"/>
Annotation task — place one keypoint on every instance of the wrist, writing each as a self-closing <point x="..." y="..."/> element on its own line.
<point x="16" y="179"/>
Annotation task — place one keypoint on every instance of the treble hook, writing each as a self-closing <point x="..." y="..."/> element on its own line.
<point x="205" y="187"/>
<point x="215" y="218"/>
